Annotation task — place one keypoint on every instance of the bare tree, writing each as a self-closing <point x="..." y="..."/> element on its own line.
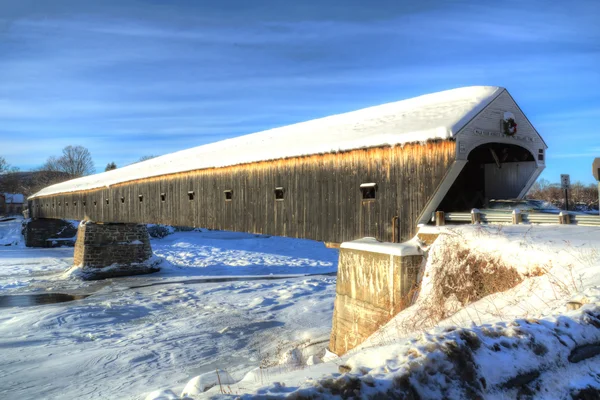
<point x="10" y="182"/>
<point x="582" y="197"/>
<point x="145" y="158"/>
<point x="9" y="177"/>
<point x="75" y="161"/>
<point x="41" y="178"/>
<point x="51" y="165"/>
<point x="5" y="167"/>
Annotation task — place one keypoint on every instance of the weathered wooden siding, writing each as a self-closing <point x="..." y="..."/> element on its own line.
<point x="323" y="200"/>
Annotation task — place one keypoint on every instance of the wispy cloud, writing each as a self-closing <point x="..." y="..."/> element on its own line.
<point x="587" y="154"/>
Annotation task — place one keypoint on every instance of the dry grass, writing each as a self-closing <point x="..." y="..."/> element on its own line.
<point x="459" y="276"/>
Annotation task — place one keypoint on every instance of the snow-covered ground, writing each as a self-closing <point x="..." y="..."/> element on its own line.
<point x="148" y="336"/>
<point x="134" y="335"/>
<point x="525" y="341"/>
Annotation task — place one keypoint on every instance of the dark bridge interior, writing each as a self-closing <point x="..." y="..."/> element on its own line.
<point x="493" y="171"/>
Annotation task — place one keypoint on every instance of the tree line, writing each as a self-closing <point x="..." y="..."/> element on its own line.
<point x="582" y="197"/>
<point x="74" y="162"/>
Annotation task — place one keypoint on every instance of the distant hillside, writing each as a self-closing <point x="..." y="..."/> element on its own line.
<point x="29" y="182"/>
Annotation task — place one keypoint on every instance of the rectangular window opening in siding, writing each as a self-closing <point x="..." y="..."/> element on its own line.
<point x="279" y="193"/>
<point x="541" y="155"/>
<point x="191" y="195"/>
<point x="163" y="197"/>
<point x="368" y="191"/>
<point x="228" y="195"/>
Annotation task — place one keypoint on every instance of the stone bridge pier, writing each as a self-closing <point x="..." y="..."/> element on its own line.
<point x="102" y="250"/>
<point x="111" y="250"/>
<point x="47" y="232"/>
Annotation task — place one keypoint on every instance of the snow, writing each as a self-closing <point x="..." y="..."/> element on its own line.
<point x="202" y="383"/>
<point x="430" y="362"/>
<point x="10" y="233"/>
<point x="370" y="244"/>
<point x="434" y="116"/>
<point x="220" y="253"/>
<point x="368" y="185"/>
<point x="162" y="395"/>
<point x="534" y="328"/>
<point x="147" y="336"/>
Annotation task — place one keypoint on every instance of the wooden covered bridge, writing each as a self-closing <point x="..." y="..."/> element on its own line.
<point x="377" y="172"/>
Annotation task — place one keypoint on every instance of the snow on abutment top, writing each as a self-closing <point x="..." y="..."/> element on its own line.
<point x="434" y="116"/>
<point x="372" y="245"/>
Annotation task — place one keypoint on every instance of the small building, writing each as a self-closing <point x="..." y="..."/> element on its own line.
<point x="11" y="203"/>
<point x="376" y="172"/>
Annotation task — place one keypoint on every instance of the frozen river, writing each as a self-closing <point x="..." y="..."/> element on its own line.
<point x="130" y="336"/>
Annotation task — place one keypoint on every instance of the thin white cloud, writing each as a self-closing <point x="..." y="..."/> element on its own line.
<point x="586" y="154"/>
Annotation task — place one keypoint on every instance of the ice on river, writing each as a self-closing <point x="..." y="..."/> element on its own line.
<point x="124" y="342"/>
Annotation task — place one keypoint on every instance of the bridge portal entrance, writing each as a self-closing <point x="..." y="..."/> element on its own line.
<point x="494" y="171"/>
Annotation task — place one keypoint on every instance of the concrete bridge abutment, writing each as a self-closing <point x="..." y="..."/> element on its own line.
<point x="112" y="250"/>
<point x="375" y="281"/>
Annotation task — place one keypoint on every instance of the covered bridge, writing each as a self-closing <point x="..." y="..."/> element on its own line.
<point x="376" y="172"/>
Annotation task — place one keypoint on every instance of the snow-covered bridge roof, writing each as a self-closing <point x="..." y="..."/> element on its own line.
<point x="434" y="116"/>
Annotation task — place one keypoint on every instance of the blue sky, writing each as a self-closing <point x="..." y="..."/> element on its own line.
<point x="131" y="78"/>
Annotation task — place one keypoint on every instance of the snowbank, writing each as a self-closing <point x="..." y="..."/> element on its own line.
<point x="502" y="360"/>
<point x="10" y="232"/>
<point x="539" y="337"/>
<point x="535" y="271"/>
<point x="201" y="383"/>
<point x="433" y="116"/>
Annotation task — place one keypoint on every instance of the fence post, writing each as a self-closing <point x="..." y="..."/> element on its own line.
<point x="564" y="218"/>
<point x="475" y="216"/>
<point x="517" y="217"/>
<point x="440" y="219"/>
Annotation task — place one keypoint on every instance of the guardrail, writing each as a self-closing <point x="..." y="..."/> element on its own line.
<point x="476" y="216"/>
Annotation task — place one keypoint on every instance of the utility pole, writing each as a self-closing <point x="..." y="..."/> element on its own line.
<point x="565" y="184"/>
<point x="596" y="173"/>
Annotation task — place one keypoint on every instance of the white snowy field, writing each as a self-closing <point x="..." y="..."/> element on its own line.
<point x="134" y="335"/>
